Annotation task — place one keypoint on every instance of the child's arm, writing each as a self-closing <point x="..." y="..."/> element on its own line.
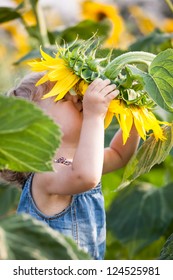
<point x="117" y="155"/>
<point x="89" y="155"/>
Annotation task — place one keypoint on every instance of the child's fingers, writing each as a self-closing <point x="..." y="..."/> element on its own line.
<point x="93" y="84"/>
<point x="113" y="94"/>
<point x="107" y="89"/>
<point x="97" y="85"/>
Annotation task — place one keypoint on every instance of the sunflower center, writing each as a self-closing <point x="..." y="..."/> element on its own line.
<point x="101" y="16"/>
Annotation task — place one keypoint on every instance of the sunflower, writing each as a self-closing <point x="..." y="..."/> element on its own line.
<point x="98" y="12"/>
<point x="19" y="37"/>
<point x="167" y="25"/>
<point x="127" y="115"/>
<point x="27" y="13"/>
<point x="57" y="71"/>
<point x="148" y="24"/>
<point x="144" y="22"/>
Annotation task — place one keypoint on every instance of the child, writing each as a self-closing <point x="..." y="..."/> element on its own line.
<point x="70" y="199"/>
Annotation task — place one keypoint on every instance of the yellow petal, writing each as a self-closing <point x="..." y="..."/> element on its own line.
<point x="70" y="85"/>
<point x="126" y="124"/>
<point x="44" y="79"/>
<point x="139" y="123"/>
<point x="56" y="64"/>
<point x="83" y="87"/>
<point x="60" y="74"/>
<point x="68" y="82"/>
<point x="37" y="66"/>
<point x="62" y="87"/>
<point x="125" y="120"/>
<point x="47" y="57"/>
<point x="53" y="91"/>
<point x="116" y="106"/>
<point x="145" y="23"/>
<point x="151" y="123"/>
<point x="123" y="115"/>
<point x="108" y="119"/>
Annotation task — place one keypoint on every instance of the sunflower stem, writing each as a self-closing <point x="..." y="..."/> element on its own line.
<point x="116" y="65"/>
<point x="42" y="25"/>
<point x="170" y="5"/>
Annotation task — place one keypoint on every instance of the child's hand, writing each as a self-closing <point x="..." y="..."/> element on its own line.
<point x="98" y="96"/>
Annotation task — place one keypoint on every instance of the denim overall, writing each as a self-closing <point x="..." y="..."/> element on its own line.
<point x="83" y="220"/>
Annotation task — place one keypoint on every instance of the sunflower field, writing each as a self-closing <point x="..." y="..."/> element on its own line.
<point x="133" y="47"/>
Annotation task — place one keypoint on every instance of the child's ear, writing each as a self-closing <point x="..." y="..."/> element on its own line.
<point x="14" y="92"/>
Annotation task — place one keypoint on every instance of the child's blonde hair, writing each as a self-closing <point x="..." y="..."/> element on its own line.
<point x="26" y="89"/>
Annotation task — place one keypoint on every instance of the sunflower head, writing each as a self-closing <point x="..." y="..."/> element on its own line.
<point x="80" y="56"/>
<point x="100" y="11"/>
<point x="74" y="66"/>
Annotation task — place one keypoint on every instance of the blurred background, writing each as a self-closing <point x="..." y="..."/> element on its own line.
<point x="122" y="22"/>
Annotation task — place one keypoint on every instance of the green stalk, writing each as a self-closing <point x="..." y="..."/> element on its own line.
<point x="116" y="65"/>
<point x="42" y="26"/>
<point x="170" y="5"/>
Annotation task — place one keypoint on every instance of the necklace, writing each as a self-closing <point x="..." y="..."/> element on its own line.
<point x="63" y="160"/>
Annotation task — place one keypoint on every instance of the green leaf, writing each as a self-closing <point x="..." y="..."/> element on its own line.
<point x="114" y="249"/>
<point x="154" y="42"/>
<point x="161" y="70"/>
<point x="85" y="30"/>
<point x="152" y="251"/>
<point x="33" y="31"/>
<point x="7" y="14"/>
<point x="33" y="3"/>
<point x="141" y="214"/>
<point x="167" y="250"/>
<point x="28" y="138"/>
<point x="25" y="238"/>
<point x="109" y="182"/>
<point x="148" y="85"/>
<point x="9" y="197"/>
<point x="151" y="87"/>
<point x="150" y="153"/>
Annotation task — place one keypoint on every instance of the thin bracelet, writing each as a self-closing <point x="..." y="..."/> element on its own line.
<point x="63" y="160"/>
